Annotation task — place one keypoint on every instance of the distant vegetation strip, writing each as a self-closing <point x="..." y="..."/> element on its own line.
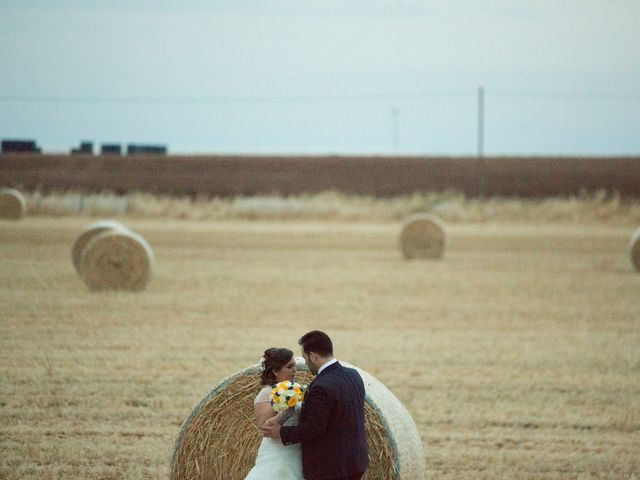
<point x="229" y="176"/>
<point x="452" y="207"/>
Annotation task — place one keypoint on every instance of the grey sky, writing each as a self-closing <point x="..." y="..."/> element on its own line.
<point x="295" y="76"/>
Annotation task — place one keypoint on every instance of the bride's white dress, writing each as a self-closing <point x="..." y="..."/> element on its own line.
<point x="274" y="459"/>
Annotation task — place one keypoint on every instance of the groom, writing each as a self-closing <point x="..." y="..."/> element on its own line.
<point x="331" y="426"/>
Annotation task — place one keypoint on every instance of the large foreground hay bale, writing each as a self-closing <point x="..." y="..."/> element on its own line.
<point x="116" y="260"/>
<point x="13" y="205"/>
<point x="422" y="236"/>
<point x="89" y="233"/>
<point x="634" y="250"/>
<point x="220" y="441"/>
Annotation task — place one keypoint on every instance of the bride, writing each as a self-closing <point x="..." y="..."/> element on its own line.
<point x="275" y="460"/>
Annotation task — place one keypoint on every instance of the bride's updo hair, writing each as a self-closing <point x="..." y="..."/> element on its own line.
<point x="274" y="359"/>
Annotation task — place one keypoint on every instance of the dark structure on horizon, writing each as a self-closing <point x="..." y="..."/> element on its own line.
<point x="134" y="149"/>
<point x="28" y="146"/>
<point x="85" y="148"/>
<point x="111" y="149"/>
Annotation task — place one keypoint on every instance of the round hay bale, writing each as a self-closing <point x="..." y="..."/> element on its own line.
<point x="87" y="234"/>
<point x="13" y="205"/>
<point x="219" y="439"/>
<point x="422" y="236"/>
<point x="116" y="260"/>
<point x="634" y="250"/>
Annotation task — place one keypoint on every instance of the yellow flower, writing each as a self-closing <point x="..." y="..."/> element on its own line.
<point x="286" y="395"/>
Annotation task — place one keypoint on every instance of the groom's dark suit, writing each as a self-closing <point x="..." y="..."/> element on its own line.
<point x="331" y="426"/>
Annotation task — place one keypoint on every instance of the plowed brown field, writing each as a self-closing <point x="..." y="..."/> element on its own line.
<point x="378" y="176"/>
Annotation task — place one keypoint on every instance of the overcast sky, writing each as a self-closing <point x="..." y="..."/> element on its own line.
<point x="295" y="76"/>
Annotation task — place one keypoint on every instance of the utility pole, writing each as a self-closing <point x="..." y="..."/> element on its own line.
<point x="480" y="187"/>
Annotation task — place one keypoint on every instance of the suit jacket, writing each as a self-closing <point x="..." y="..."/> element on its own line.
<point x="331" y="426"/>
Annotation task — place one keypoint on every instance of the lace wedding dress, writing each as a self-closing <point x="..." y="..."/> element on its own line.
<point x="275" y="460"/>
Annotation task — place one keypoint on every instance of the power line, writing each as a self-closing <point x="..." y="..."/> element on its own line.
<point x="229" y="100"/>
<point x="608" y="96"/>
<point x="565" y="95"/>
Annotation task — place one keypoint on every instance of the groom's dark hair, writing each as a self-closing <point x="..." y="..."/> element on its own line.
<point x="318" y="342"/>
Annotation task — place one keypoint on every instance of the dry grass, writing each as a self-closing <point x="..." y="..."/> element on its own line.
<point x="517" y="355"/>
<point x="451" y="207"/>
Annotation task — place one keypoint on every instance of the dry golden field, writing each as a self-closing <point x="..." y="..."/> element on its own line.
<point x="517" y="354"/>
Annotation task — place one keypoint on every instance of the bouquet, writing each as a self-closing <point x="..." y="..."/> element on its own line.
<point x="286" y="395"/>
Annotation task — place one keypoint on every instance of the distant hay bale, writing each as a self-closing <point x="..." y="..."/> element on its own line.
<point x="219" y="439"/>
<point x="634" y="250"/>
<point x="13" y="205"/>
<point x="116" y="260"/>
<point x="87" y="234"/>
<point x="422" y="236"/>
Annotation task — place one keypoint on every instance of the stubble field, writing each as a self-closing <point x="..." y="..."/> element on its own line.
<point x="517" y="354"/>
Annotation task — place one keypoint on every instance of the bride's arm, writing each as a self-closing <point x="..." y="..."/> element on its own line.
<point x="263" y="412"/>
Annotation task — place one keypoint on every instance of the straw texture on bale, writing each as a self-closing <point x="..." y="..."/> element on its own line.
<point x="634" y="250"/>
<point x="219" y="440"/>
<point x="116" y="260"/>
<point x="87" y="234"/>
<point x="422" y="236"/>
<point x="13" y="205"/>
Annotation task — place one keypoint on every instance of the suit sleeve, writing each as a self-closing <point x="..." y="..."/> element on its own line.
<point x="313" y="422"/>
